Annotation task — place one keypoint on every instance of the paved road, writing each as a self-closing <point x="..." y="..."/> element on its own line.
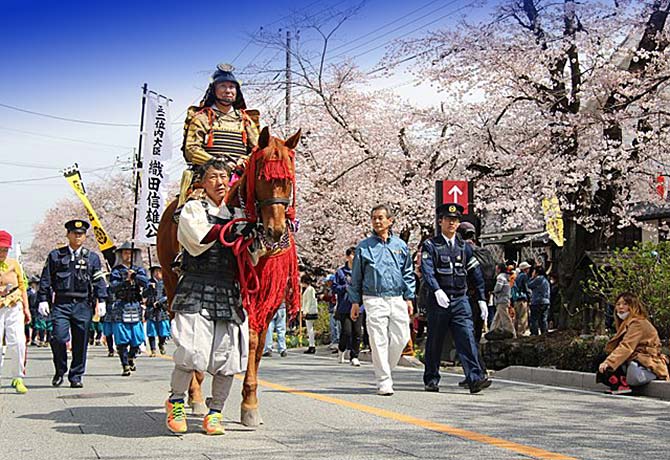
<point x="316" y="409"/>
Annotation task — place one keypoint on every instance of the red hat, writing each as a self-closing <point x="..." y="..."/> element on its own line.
<point x="5" y="239"/>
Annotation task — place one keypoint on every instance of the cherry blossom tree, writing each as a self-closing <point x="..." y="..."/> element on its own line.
<point x="560" y="99"/>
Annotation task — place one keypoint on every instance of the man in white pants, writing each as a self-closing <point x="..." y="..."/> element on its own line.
<point x="382" y="278"/>
<point x="14" y="311"/>
<point x="210" y="327"/>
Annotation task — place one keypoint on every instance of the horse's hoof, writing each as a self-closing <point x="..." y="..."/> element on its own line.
<point x="199" y="408"/>
<point x="251" y="418"/>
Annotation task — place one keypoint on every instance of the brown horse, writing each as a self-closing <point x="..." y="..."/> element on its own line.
<point x="264" y="192"/>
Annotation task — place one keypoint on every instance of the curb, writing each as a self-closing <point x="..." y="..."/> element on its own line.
<point x="572" y="379"/>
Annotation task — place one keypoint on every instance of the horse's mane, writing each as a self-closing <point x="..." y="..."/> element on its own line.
<point x="273" y="162"/>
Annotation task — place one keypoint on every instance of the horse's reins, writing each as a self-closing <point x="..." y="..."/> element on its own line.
<point x="248" y="276"/>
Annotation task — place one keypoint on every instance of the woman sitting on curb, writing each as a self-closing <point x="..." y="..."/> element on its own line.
<point x="635" y="356"/>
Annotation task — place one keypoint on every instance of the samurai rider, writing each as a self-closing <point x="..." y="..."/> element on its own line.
<point x="126" y="282"/>
<point x="210" y="327"/>
<point x="219" y="127"/>
<point x="156" y="313"/>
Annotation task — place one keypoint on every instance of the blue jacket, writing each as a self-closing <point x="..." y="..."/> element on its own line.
<point x="521" y="285"/>
<point x="451" y="270"/>
<point x="381" y="269"/>
<point x="540" y="289"/>
<point x="81" y="277"/>
<point x="340" y="284"/>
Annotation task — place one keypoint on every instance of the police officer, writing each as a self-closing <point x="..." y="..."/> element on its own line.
<point x="447" y="263"/>
<point x="71" y="281"/>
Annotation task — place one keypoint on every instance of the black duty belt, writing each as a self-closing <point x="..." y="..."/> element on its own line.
<point x="74" y="297"/>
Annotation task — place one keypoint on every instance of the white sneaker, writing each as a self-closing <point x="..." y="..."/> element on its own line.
<point x="355" y="362"/>
<point x="340" y="357"/>
<point x="385" y="391"/>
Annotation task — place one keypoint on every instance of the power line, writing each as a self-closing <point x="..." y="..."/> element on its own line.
<point x="405" y="16"/>
<point x="415" y="30"/>
<point x="72" y="120"/>
<point x="38" y="179"/>
<point x="67" y="139"/>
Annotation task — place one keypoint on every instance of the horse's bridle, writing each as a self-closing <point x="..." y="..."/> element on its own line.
<point x="271" y="201"/>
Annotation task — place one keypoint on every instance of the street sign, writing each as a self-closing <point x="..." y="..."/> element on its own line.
<point x="456" y="191"/>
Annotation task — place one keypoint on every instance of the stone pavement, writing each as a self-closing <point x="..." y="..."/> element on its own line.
<point x="316" y="409"/>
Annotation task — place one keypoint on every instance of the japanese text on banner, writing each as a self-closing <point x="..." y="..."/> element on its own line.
<point x="156" y="151"/>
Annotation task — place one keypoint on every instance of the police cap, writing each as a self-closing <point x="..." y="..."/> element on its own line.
<point x="450" y="210"/>
<point x="77" y="226"/>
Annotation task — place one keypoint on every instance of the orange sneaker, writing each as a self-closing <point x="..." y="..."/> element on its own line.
<point x="213" y="423"/>
<point x="175" y="419"/>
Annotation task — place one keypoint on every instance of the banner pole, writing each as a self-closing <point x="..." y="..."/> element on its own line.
<point x="137" y="163"/>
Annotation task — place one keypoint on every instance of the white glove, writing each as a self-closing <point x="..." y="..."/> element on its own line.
<point x="43" y="308"/>
<point x="442" y="298"/>
<point x="102" y="309"/>
<point x="483" y="310"/>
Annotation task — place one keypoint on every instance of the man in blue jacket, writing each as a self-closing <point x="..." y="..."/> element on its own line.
<point x="447" y="263"/>
<point x="382" y="277"/>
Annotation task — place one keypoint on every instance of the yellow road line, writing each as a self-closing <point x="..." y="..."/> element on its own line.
<point x="529" y="451"/>
<point x="427" y="424"/>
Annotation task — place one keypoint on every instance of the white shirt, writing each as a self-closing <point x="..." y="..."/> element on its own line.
<point x="451" y="241"/>
<point x="74" y="254"/>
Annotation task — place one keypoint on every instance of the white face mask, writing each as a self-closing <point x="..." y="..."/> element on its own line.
<point x="623" y="316"/>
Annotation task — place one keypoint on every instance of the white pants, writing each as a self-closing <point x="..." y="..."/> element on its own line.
<point x="388" y="326"/>
<point x="218" y="347"/>
<point x="11" y="328"/>
<point x="310" y="332"/>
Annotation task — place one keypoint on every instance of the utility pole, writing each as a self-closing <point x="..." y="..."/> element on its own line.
<point x="288" y="80"/>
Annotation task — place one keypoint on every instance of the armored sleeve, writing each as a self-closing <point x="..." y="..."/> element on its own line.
<point x="428" y="265"/>
<point x="355" y="289"/>
<point x="98" y="278"/>
<point x="475" y="274"/>
<point x="141" y="277"/>
<point x="44" y="292"/>
<point x="116" y="279"/>
<point x="196" y="138"/>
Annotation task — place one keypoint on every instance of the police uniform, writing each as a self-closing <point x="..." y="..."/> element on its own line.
<point x="156" y="314"/>
<point x="71" y="281"/>
<point x="447" y="266"/>
<point x="126" y="311"/>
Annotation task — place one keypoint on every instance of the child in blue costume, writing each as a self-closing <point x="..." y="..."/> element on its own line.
<point x="156" y="314"/>
<point x="126" y="282"/>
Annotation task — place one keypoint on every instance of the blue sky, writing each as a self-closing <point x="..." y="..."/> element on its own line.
<point x="88" y="60"/>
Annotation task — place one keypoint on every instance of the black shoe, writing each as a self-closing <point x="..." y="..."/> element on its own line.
<point x="162" y="350"/>
<point x="76" y="385"/>
<point x="479" y="385"/>
<point x="57" y="380"/>
<point x="132" y="366"/>
<point x="267" y="354"/>
<point x="283" y="354"/>
<point x="126" y="371"/>
<point x="463" y="383"/>
<point x="310" y="351"/>
<point x="432" y="387"/>
<point x="110" y="354"/>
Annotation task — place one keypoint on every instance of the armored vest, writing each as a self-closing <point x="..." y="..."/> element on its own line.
<point x="227" y="137"/>
<point x="127" y="296"/>
<point x="209" y="284"/>
<point x="73" y="276"/>
<point x="451" y="268"/>
<point x="156" y="302"/>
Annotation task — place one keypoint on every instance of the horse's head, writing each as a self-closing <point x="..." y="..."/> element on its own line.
<point x="273" y="169"/>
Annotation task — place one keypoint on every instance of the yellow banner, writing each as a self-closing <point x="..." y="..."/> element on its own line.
<point x="554" y="219"/>
<point x="74" y="179"/>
